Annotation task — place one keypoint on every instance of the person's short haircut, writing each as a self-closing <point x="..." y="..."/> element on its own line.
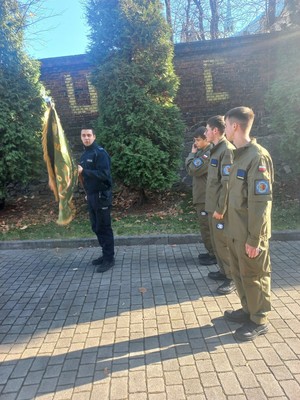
<point x="243" y="115"/>
<point x="87" y="128"/>
<point x="200" y="132"/>
<point x="217" y="122"/>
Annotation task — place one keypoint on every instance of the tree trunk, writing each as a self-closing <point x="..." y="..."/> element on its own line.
<point x="200" y="19"/>
<point x="187" y="32"/>
<point x="214" y="23"/>
<point x="169" y="16"/>
<point x="142" y="197"/>
<point x="271" y="13"/>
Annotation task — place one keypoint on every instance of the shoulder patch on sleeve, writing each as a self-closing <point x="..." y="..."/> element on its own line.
<point x="198" y="162"/>
<point x="262" y="186"/>
<point x="226" y="169"/>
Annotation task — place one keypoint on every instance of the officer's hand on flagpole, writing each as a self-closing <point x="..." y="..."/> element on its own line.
<point x="80" y="169"/>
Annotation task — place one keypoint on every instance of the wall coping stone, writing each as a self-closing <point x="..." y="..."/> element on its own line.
<point x="288" y="235"/>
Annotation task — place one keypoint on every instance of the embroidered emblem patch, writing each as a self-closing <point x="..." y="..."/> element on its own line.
<point x="241" y="174"/>
<point x="262" y="186"/>
<point x="214" y="162"/>
<point x="226" y="169"/>
<point x="203" y="213"/>
<point x="198" y="162"/>
<point x="205" y="156"/>
<point x="220" y="226"/>
<point x="262" y="168"/>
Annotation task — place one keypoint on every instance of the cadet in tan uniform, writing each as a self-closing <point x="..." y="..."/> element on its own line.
<point x="216" y="199"/>
<point x="197" y="165"/>
<point x="249" y="225"/>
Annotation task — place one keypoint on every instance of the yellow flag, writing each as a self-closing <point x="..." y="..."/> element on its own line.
<point x="62" y="170"/>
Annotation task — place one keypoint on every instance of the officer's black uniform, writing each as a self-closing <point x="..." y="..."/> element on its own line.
<point x="97" y="183"/>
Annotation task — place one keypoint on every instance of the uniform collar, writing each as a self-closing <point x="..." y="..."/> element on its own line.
<point x="244" y="148"/>
<point x="223" y="139"/>
<point x="204" y="150"/>
<point x="91" y="147"/>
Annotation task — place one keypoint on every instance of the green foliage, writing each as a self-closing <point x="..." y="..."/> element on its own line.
<point x="20" y="102"/>
<point x="283" y="101"/>
<point x="139" y="123"/>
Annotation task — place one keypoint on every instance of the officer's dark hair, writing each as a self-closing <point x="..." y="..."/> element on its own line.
<point x="217" y="122"/>
<point x="200" y="132"/>
<point x="243" y="115"/>
<point x="87" y="128"/>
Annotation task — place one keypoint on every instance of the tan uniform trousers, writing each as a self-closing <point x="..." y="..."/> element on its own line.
<point x="219" y="243"/>
<point x="252" y="277"/>
<point x="204" y="227"/>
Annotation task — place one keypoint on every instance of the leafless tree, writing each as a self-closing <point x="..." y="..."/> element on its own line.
<point x="212" y="19"/>
<point x="36" y="17"/>
<point x="215" y="17"/>
<point x="270" y="13"/>
<point x="200" y="16"/>
<point x="169" y="15"/>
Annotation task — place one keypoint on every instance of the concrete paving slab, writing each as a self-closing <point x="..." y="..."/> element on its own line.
<point x="150" y="328"/>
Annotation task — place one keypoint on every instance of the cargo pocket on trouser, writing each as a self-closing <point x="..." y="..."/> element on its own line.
<point x="256" y="278"/>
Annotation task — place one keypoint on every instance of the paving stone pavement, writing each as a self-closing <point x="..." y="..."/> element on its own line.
<point x="149" y="329"/>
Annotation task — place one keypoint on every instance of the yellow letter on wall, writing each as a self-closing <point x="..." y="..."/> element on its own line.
<point x="84" y="109"/>
<point x="208" y="79"/>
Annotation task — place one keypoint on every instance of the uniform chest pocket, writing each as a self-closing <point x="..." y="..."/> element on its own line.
<point x="239" y="193"/>
<point x="89" y="163"/>
<point x="241" y="174"/>
<point x="214" y="162"/>
<point x="214" y="168"/>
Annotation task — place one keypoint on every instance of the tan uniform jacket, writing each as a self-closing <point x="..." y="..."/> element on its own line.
<point x="217" y="178"/>
<point x="196" y="166"/>
<point x="250" y="195"/>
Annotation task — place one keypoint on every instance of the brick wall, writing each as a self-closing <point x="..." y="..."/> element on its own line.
<point x="220" y="74"/>
<point x="215" y="76"/>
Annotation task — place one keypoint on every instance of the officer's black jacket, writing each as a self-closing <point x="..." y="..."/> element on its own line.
<point x="96" y="170"/>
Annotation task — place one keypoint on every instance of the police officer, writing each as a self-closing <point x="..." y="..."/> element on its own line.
<point x="216" y="199"/>
<point x="249" y="225"/>
<point x="94" y="171"/>
<point x="196" y="165"/>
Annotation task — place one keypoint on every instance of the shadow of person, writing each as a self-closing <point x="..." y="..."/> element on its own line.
<point x="93" y="364"/>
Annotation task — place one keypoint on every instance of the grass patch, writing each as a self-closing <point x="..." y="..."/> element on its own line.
<point x="76" y="229"/>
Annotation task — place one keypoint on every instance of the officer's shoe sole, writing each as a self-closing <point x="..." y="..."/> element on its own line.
<point x="249" y="331"/>
<point x="227" y="287"/>
<point x="238" y="316"/>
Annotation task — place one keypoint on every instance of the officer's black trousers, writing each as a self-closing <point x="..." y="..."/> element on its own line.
<point x="101" y="224"/>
